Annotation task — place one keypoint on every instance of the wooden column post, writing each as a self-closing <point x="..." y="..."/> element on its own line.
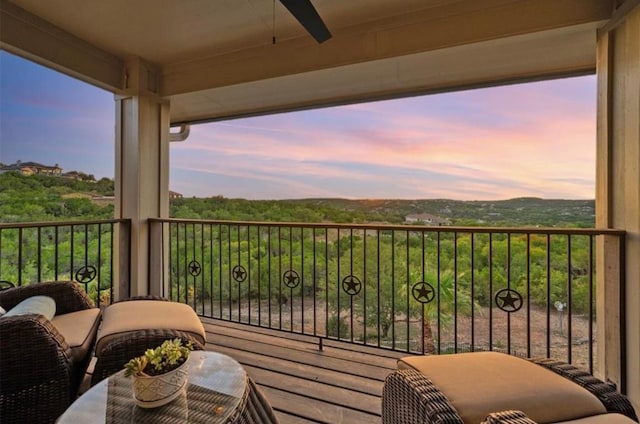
<point x="618" y="197"/>
<point x="142" y="168"/>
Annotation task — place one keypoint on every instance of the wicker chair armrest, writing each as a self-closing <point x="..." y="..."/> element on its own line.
<point x="508" y="417"/>
<point x="607" y="393"/>
<point x="119" y="351"/>
<point x="37" y="378"/>
<point x="409" y="397"/>
<point x="255" y="409"/>
<point x="143" y="297"/>
<point x="31" y="344"/>
<point x="69" y="296"/>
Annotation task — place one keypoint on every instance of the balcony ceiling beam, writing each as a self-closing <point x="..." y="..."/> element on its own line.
<point x="515" y="59"/>
<point x="619" y="15"/>
<point x="33" y="38"/>
<point x="453" y="24"/>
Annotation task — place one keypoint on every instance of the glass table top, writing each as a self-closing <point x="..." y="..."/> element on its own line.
<point x="215" y="390"/>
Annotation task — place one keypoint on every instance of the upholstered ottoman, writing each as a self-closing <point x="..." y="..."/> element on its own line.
<point x="133" y="326"/>
<point x="468" y="387"/>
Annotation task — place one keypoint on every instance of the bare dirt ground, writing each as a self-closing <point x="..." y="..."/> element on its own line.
<point x="523" y="332"/>
<point x="555" y="337"/>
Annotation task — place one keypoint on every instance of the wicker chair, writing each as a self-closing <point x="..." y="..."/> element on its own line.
<point x="410" y="396"/>
<point x="39" y="371"/>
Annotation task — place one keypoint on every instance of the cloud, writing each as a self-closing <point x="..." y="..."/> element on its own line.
<point x="521" y="140"/>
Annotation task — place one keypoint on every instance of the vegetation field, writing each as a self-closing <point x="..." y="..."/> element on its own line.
<point x="465" y="268"/>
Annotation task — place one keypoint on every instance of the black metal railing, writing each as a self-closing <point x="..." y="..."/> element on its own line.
<point x="416" y="289"/>
<point x="82" y="251"/>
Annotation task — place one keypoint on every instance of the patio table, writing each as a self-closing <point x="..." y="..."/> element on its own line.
<point x="217" y="392"/>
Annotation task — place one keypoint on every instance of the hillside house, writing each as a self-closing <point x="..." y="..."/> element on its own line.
<point x="32" y="168"/>
<point x="426" y="219"/>
<point x="78" y="176"/>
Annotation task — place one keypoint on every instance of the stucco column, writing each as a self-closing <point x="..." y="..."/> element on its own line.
<point x="618" y="197"/>
<point x="142" y="167"/>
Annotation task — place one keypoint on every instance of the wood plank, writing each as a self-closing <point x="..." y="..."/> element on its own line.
<point x="380" y="352"/>
<point x="217" y="322"/>
<point x="284" y="418"/>
<point x="341" y="384"/>
<point x="248" y="333"/>
<point x="316" y="390"/>
<point x="356" y="347"/>
<point x="317" y="411"/>
<point x="283" y="366"/>
<point x="329" y="350"/>
<point x="317" y="359"/>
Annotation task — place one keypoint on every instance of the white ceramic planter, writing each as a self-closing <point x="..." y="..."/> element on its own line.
<point x="157" y="390"/>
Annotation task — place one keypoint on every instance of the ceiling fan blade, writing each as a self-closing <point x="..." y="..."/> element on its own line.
<point x="308" y="17"/>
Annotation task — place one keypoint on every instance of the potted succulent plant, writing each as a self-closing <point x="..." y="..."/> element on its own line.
<point x="160" y="375"/>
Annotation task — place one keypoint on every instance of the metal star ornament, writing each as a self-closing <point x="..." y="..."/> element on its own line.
<point x="508" y="300"/>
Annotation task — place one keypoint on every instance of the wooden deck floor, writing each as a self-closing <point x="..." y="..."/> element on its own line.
<point x="340" y="384"/>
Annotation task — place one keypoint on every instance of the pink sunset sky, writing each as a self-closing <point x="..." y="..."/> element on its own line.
<point x="534" y="139"/>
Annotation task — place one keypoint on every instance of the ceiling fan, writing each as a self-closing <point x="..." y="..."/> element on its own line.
<point x="308" y="17"/>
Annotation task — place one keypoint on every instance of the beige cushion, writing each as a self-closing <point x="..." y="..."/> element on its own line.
<point x="483" y="382"/>
<point x="124" y="317"/>
<point x="79" y="330"/>
<point x="603" y="419"/>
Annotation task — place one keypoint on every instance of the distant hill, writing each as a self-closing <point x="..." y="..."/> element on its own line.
<point x="512" y="212"/>
<point x="523" y="211"/>
<point x="41" y="198"/>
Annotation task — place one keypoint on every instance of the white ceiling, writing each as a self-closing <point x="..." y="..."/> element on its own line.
<point x="214" y="59"/>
